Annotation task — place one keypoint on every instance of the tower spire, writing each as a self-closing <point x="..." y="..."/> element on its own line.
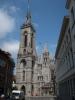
<point x="28" y="5"/>
<point x="28" y="17"/>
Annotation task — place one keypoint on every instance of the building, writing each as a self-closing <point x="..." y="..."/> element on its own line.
<point x="26" y="56"/>
<point x="65" y="56"/>
<point x="43" y="74"/>
<point x="6" y="72"/>
<point x="31" y="70"/>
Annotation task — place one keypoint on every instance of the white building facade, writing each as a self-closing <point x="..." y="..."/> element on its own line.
<point x="65" y="56"/>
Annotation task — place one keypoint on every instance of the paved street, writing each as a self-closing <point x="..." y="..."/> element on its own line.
<point x="37" y="98"/>
<point x="41" y="98"/>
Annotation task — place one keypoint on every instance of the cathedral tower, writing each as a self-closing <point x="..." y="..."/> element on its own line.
<point x="26" y="56"/>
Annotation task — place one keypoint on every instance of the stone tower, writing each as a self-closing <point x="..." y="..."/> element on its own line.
<point x="26" y="56"/>
<point x="46" y="64"/>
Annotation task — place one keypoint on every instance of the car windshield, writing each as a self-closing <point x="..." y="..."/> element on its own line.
<point x="15" y="94"/>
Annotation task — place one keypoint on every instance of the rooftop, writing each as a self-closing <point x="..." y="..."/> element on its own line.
<point x="62" y="33"/>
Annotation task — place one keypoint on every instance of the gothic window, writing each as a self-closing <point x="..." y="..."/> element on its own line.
<point x="24" y="51"/>
<point x="25" y="42"/>
<point x="23" y="89"/>
<point x="23" y="63"/>
<point x="33" y="64"/>
<point x="40" y="78"/>
<point x="23" y="75"/>
<point x="32" y="88"/>
<point x="31" y="42"/>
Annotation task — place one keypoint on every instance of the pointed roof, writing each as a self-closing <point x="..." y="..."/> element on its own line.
<point x="28" y="22"/>
<point x="28" y="17"/>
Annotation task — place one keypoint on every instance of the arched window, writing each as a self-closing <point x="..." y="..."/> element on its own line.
<point x="23" y="63"/>
<point x="23" y="89"/>
<point x="25" y="41"/>
<point x="23" y="75"/>
<point x="31" y="42"/>
<point x="24" y="51"/>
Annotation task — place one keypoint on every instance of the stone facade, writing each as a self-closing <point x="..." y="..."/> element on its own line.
<point x="65" y="56"/>
<point x="43" y="74"/>
<point x="26" y="57"/>
<point x="33" y="73"/>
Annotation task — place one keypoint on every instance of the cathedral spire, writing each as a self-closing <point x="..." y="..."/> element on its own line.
<point x="28" y="8"/>
<point x="28" y="17"/>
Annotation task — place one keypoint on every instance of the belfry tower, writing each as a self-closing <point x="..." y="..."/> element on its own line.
<point x="26" y="56"/>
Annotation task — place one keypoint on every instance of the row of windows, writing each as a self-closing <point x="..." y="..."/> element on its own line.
<point x="67" y="61"/>
<point x="68" y="36"/>
<point x="45" y="59"/>
<point x="67" y="54"/>
<point x="68" y="88"/>
<point x="40" y="78"/>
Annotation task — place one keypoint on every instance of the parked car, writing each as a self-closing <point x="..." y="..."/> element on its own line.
<point x="17" y="95"/>
<point x="2" y="97"/>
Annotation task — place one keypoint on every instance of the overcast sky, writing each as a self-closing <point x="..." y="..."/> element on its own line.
<point x="47" y="16"/>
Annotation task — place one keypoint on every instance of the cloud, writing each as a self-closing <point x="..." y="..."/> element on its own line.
<point x="7" y="23"/>
<point x="11" y="46"/>
<point x="13" y="8"/>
